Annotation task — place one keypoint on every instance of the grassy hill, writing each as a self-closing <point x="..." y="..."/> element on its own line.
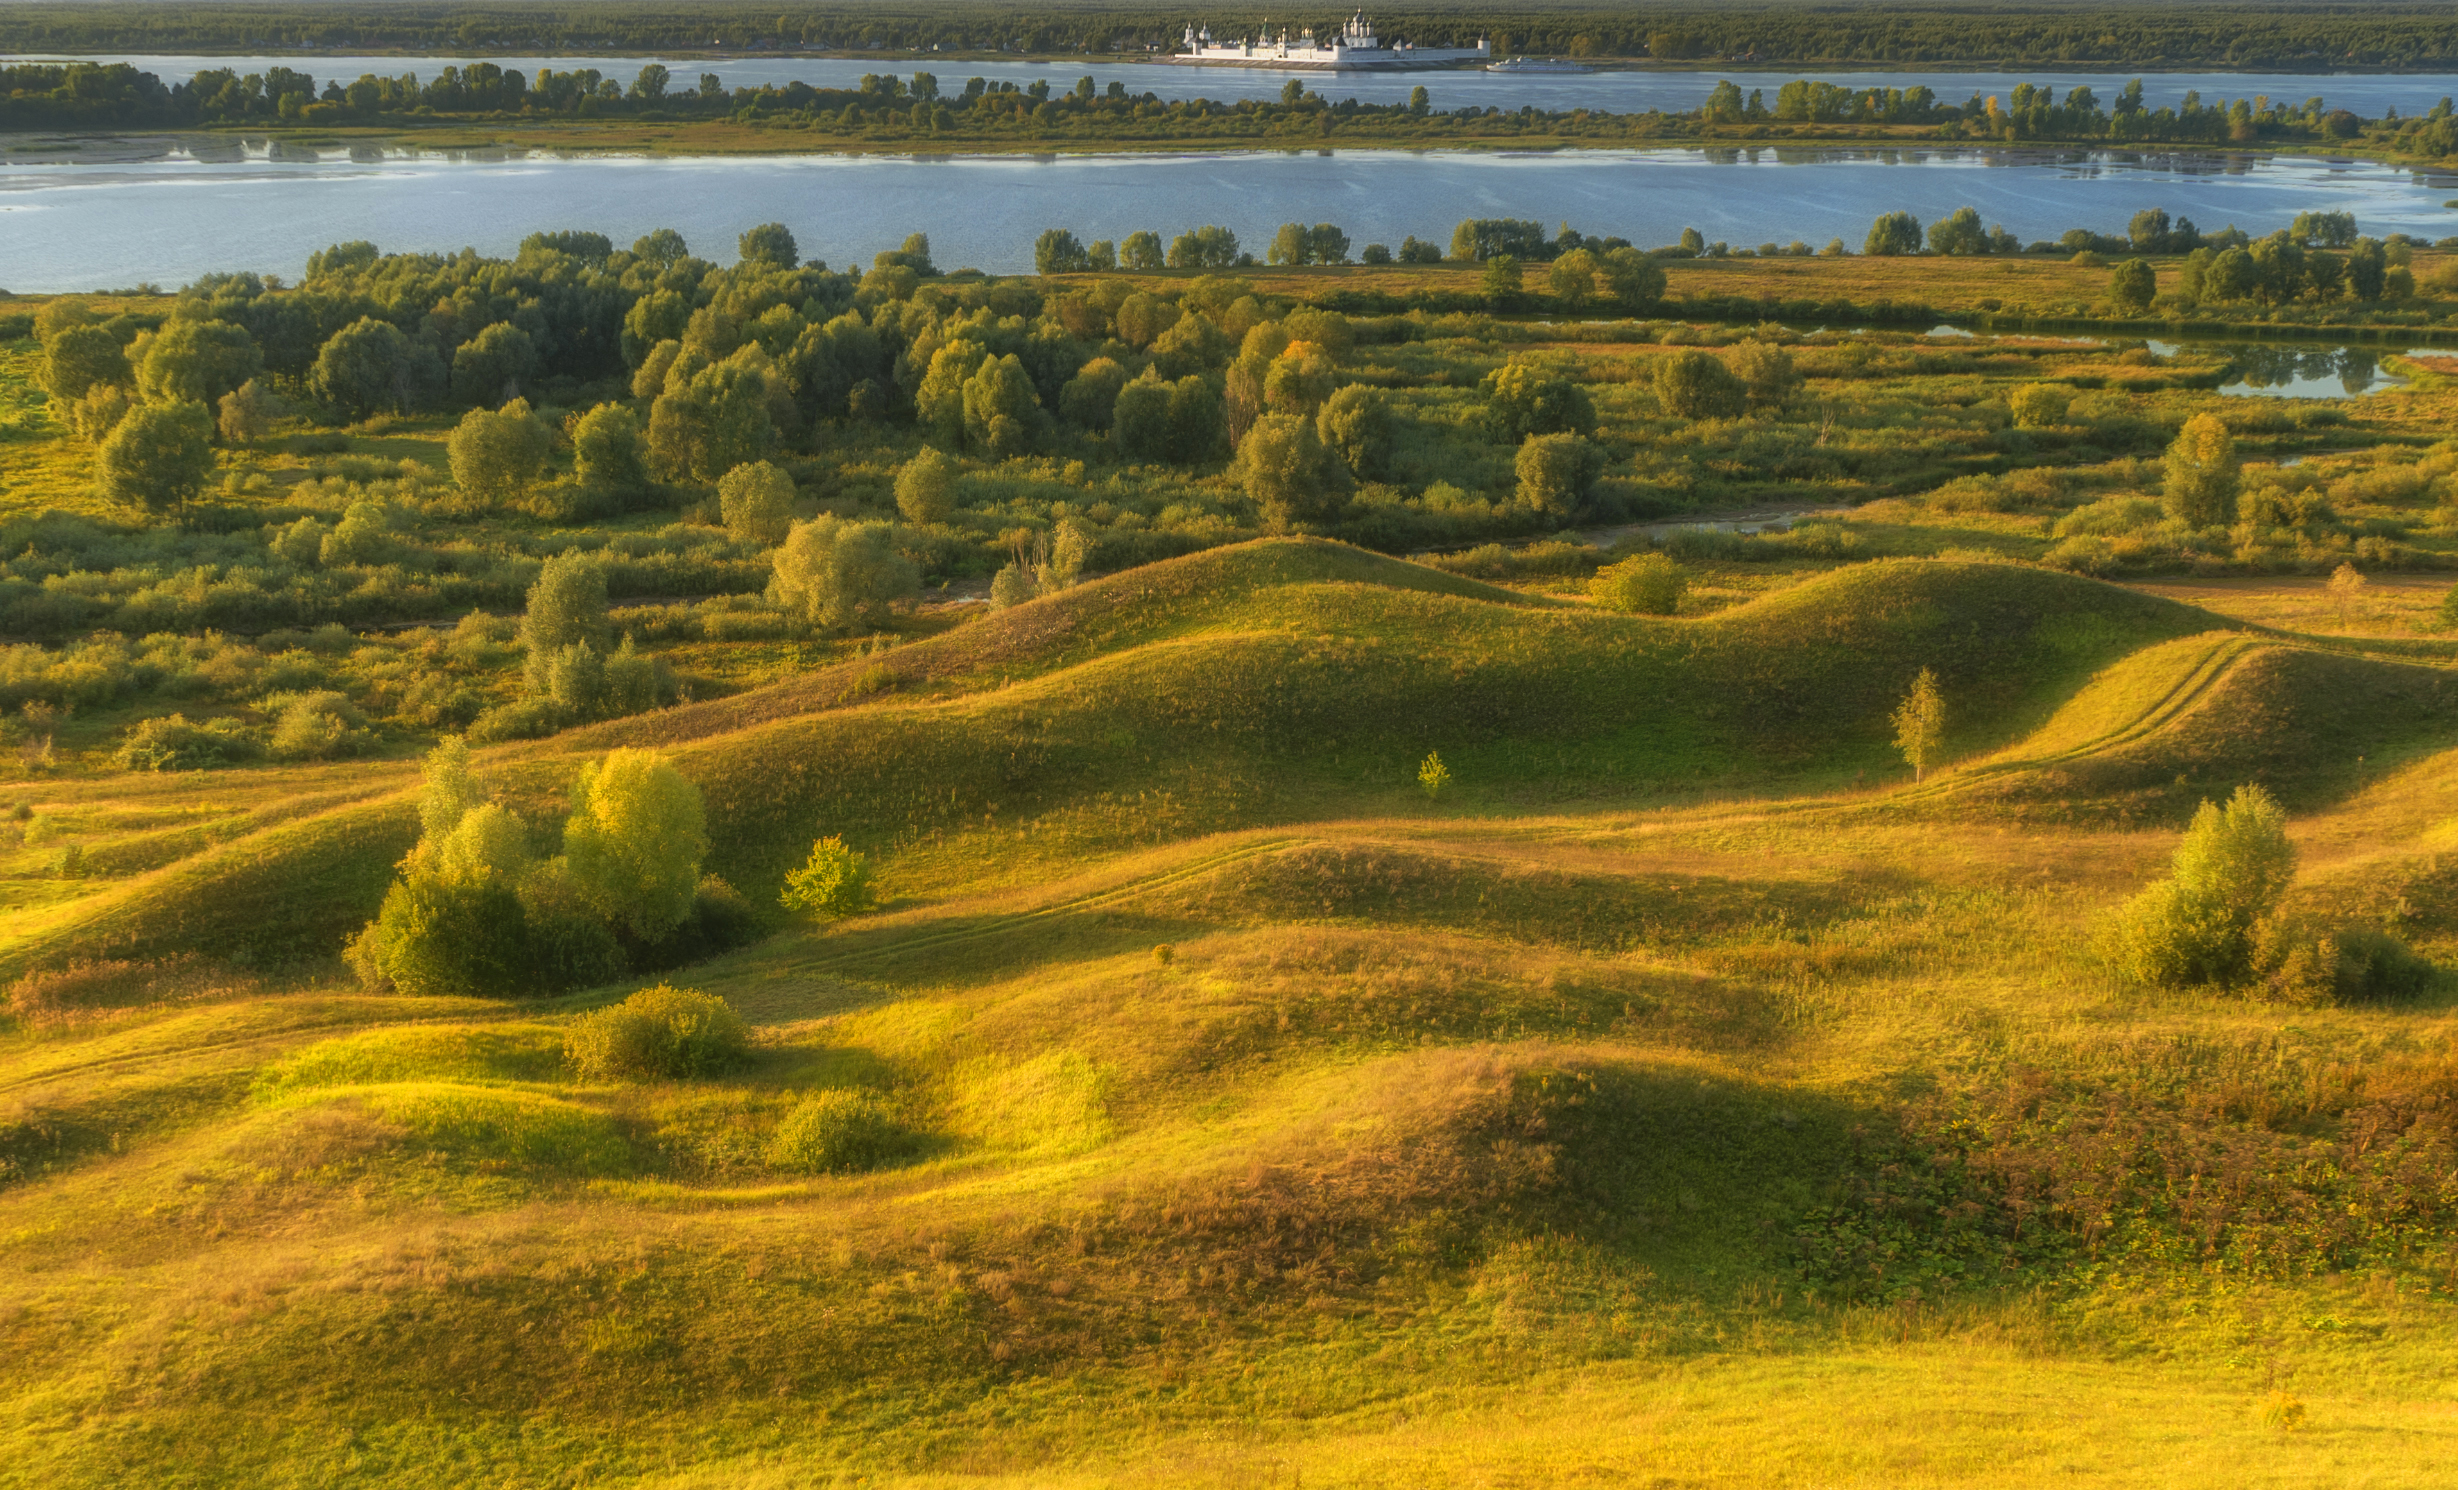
<point x="1686" y="1099"/>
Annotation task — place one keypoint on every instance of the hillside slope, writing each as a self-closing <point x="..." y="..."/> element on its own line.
<point x="1279" y="681"/>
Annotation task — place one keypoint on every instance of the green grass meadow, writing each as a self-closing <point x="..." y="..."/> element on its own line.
<point x="1682" y="1098"/>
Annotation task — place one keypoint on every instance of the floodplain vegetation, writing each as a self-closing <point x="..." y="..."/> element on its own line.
<point x="626" y="871"/>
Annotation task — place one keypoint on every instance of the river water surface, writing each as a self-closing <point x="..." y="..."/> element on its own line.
<point x="82" y="215"/>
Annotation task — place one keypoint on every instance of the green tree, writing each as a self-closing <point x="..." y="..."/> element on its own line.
<point x="1194" y="420"/>
<point x="831" y="571"/>
<point x="1420" y="102"/>
<point x="1556" y="472"/>
<point x="496" y="455"/>
<point x="1501" y="283"/>
<point x="757" y="503"/>
<point x="770" y="246"/>
<point x="370" y="367"/>
<point x="926" y="487"/>
<point x="722" y="417"/>
<point x="1765" y="371"/>
<point x="1090" y="397"/>
<point x="1291" y="245"/>
<point x="1647" y="585"/>
<point x="1140" y="418"/>
<point x="158" y="456"/>
<point x="1690" y="384"/>
<point x="1892" y="235"/>
<point x="607" y="450"/>
<point x="100" y="411"/>
<point x="1326" y="244"/>
<point x="197" y="362"/>
<point x="1524" y="398"/>
<point x="1291" y="475"/>
<point x="1058" y="251"/>
<point x="491" y="366"/>
<point x="1298" y="381"/>
<point x="77" y="358"/>
<point x="635" y="841"/>
<point x="1959" y="233"/>
<point x="2202" y="924"/>
<point x="1356" y="423"/>
<point x="1002" y="413"/>
<point x="2368" y="268"/>
<point x="1635" y="281"/>
<point x="1572" y="279"/>
<point x="1141" y="251"/>
<point x="2132" y="285"/>
<point x="246" y="413"/>
<point x="1920" y="723"/>
<point x="566" y="604"/>
<point x="2202" y="473"/>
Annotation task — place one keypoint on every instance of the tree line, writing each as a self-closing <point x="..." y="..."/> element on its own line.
<point x="2399" y="33"/>
<point x="80" y="94"/>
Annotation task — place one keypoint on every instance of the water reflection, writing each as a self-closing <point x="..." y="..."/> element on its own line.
<point x="2307" y="372"/>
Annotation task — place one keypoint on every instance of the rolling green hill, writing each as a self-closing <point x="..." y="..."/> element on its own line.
<point x="1686" y="1099"/>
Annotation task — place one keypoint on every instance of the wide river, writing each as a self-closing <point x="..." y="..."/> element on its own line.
<point x="1620" y="91"/>
<point x="114" y="213"/>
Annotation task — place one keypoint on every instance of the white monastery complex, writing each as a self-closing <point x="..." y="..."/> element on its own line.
<point x="1355" y="49"/>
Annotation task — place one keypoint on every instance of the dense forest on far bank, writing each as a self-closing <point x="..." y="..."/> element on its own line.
<point x="2239" y="35"/>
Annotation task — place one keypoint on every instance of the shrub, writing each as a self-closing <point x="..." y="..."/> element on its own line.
<point x="319" y="726"/>
<point x="2198" y="926"/>
<point x="439" y="938"/>
<point x="172" y="743"/>
<point x="522" y="719"/>
<point x="2039" y="405"/>
<point x="1691" y="384"/>
<point x="830" y="572"/>
<point x="837" y="1132"/>
<point x="757" y="504"/>
<point x="835" y="882"/>
<point x="1765" y="371"/>
<point x="658" y="1034"/>
<point x="1648" y="585"/>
